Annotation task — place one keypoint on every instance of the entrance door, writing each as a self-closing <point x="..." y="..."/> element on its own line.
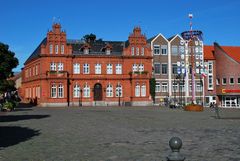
<point x="97" y="92"/>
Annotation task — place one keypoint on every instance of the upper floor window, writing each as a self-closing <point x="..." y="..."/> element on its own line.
<point x="53" y="67"/>
<point x="198" y="87"/>
<point x="97" y="68"/>
<point x="143" y="90"/>
<point x="137" y="90"/>
<point x="142" y="51"/>
<point x="108" y="51"/>
<point x="135" y="67"/>
<point x="62" y="49"/>
<point x="157" y="68"/>
<point x="132" y="50"/>
<point x="174" y="50"/>
<point x="231" y="81"/>
<point x="109" y="69"/>
<point x="50" y="48"/>
<point x="137" y="51"/>
<point x="86" y="91"/>
<point x="86" y="69"/>
<point x="76" y="68"/>
<point x="118" y="68"/>
<point x="60" y="66"/>
<point x="164" y="49"/>
<point x="60" y="91"/>
<point x="56" y="49"/>
<point x="217" y="81"/>
<point x="156" y="49"/>
<point x="224" y="81"/>
<point x="174" y="68"/>
<point x="210" y="67"/>
<point x="119" y="91"/>
<point x="109" y="91"/>
<point x="141" y="67"/>
<point x="210" y="82"/>
<point x="174" y="86"/>
<point x="157" y="87"/>
<point x="164" y="68"/>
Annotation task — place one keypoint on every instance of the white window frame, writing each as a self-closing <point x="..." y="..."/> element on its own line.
<point x="230" y="81"/>
<point x="156" y="50"/>
<point x="86" y="68"/>
<point x="60" y="66"/>
<point x="86" y="51"/>
<point x="119" y="91"/>
<point x="137" y="90"/>
<point x="53" y="90"/>
<point x="76" y="91"/>
<point x="60" y="91"/>
<point x="164" y="50"/>
<point x="141" y="67"/>
<point x="53" y="66"/>
<point x="109" y="90"/>
<point x="98" y="68"/>
<point x="56" y="49"/>
<point x="132" y="50"/>
<point x="51" y="49"/>
<point x="142" y="51"/>
<point x="76" y="68"/>
<point x="86" y="91"/>
<point x="135" y="67"/>
<point x="157" y="87"/>
<point x="166" y="68"/>
<point x="143" y="90"/>
<point x="164" y="86"/>
<point x="118" y="68"/>
<point x="223" y="81"/>
<point x="109" y="69"/>
<point x="174" y="86"/>
<point x="174" y="50"/>
<point x="159" y="68"/>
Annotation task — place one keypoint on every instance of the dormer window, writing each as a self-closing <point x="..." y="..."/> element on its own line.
<point x="108" y="51"/>
<point x="86" y="51"/>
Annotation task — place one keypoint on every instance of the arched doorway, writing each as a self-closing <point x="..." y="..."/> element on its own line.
<point x="97" y="92"/>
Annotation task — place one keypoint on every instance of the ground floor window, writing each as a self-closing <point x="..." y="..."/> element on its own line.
<point x="230" y="101"/>
<point x="86" y="91"/>
<point x="109" y="91"/>
<point x="60" y="91"/>
<point x="119" y="91"/>
<point x="137" y="90"/>
<point x="76" y="91"/>
<point x="54" y="91"/>
<point x="143" y="90"/>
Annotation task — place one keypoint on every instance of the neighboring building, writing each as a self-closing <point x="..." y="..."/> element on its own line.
<point x="171" y="63"/>
<point x="227" y="75"/>
<point x="63" y="72"/>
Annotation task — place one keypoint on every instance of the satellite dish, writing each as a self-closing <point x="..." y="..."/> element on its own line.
<point x="196" y="43"/>
<point x="178" y="63"/>
<point x="182" y="42"/>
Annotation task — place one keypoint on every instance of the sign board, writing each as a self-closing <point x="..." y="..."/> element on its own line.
<point x="230" y="90"/>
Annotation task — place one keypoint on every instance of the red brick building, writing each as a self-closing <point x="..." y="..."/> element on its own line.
<point x="92" y="72"/>
<point x="226" y="85"/>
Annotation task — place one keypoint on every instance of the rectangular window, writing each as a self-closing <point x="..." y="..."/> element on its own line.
<point x="135" y="67"/>
<point x="210" y="82"/>
<point x="60" y="91"/>
<point x="210" y="67"/>
<point x="50" y="48"/>
<point x="56" y="49"/>
<point x="137" y="51"/>
<point x="109" y="69"/>
<point x="224" y="81"/>
<point x="118" y="68"/>
<point x="156" y="49"/>
<point x="142" y="51"/>
<point x="53" y="91"/>
<point x="143" y="90"/>
<point x="157" y="87"/>
<point x="157" y="68"/>
<point x="217" y="81"/>
<point x="164" y="87"/>
<point x="174" y="69"/>
<point x="174" y="50"/>
<point x="137" y="90"/>
<point x="86" y="51"/>
<point x="164" y="49"/>
<point x="231" y="81"/>
<point x="86" y="69"/>
<point x="174" y="86"/>
<point x="53" y="67"/>
<point x="132" y="50"/>
<point x="60" y="66"/>
<point x="164" y="68"/>
<point x="86" y="91"/>
<point x="62" y="49"/>
<point x="238" y="80"/>
<point x="97" y="68"/>
<point x="76" y="68"/>
<point x="198" y="87"/>
<point x="141" y="67"/>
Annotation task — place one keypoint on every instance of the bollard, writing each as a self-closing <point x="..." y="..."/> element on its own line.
<point x="175" y="144"/>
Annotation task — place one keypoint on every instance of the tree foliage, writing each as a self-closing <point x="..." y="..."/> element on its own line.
<point x="8" y="61"/>
<point x="152" y="88"/>
<point x="89" y="37"/>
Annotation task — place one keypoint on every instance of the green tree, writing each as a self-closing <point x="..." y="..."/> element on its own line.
<point x="152" y="88"/>
<point x="8" y="61"/>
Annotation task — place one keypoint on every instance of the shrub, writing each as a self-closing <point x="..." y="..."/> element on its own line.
<point x="9" y="106"/>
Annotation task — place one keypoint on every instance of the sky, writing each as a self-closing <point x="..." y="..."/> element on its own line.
<point x="24" y="23"/>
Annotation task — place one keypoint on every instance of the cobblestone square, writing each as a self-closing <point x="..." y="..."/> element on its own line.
<point x="117" y="134"/>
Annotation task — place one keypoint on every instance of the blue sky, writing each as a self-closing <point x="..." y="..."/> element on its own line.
<point x="24" y="23"/>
